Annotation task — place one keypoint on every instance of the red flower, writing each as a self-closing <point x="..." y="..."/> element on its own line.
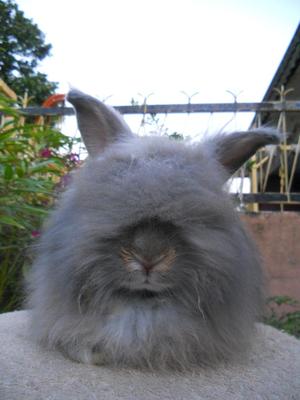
<point x="45" y="153"/>
<point x="35" y="234"/>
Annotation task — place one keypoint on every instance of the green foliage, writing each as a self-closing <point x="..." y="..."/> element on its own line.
<point x="32" y="172"/>
<point x="286" y="321"/>
<point x="22" y="46"/>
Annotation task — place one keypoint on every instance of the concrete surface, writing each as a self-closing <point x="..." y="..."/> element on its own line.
<point x="271" y="372"/>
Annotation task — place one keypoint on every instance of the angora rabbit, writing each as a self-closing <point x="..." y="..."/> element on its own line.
<point x="145" y="262"/>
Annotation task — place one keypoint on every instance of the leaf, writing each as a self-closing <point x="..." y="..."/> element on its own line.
<point x="8" y="172"/>
<point x="34" y="210"/>
<point x="20" y="172"/>
<point x="6" y="200"/>
<point x="280" y="300"/>
<point x="45" y="166"/>
<point x="7" y="220"/>
<point x="6" y="135"/>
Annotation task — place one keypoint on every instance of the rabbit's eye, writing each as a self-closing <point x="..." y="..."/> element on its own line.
<point x="130" y="255"/>
<point x="169" y="257"/>
<point x="165" y="261"/>
<point x="126" y="255"/>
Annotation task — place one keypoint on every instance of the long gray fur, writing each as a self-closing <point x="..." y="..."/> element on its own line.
<point x="203" y="309"/>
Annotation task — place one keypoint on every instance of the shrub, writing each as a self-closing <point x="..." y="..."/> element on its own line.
<point x="34" y="161"/>
<point x="287" y="321"/>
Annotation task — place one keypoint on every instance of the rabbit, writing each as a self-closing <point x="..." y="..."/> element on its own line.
<point x="145" y="262"/>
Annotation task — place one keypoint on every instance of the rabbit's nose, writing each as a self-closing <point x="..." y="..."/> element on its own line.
<point x="147" y="267"/>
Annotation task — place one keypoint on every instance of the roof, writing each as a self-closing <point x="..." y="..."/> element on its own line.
<point x="288" y="68"/>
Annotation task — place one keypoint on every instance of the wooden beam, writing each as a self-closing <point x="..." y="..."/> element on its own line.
<point x="7" y="90"/>
<point x="267" y="198"/>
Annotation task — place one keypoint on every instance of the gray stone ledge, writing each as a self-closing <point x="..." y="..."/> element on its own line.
<point x="27" y="372"/>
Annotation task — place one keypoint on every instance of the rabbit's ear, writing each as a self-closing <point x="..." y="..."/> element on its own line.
<point x="233" y="150"/>
<point x="98" y="123"/>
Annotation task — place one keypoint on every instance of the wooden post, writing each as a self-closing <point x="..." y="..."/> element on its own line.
<point x="7" y="90"/>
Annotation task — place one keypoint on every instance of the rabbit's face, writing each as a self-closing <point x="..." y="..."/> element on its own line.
<point x="144" y="259"/>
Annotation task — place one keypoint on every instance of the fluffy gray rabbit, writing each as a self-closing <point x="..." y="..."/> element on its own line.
<point x="145" y="262"/>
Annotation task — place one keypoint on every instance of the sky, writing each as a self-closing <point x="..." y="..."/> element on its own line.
<point x="131" y="48"/>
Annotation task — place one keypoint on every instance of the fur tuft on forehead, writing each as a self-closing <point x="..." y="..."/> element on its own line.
<point x="150" y="178"/>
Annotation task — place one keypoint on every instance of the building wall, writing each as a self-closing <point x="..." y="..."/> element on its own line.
<point x="278" y="238"/>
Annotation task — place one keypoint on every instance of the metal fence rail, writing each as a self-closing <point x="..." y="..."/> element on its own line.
<point x="271" y="106"/>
